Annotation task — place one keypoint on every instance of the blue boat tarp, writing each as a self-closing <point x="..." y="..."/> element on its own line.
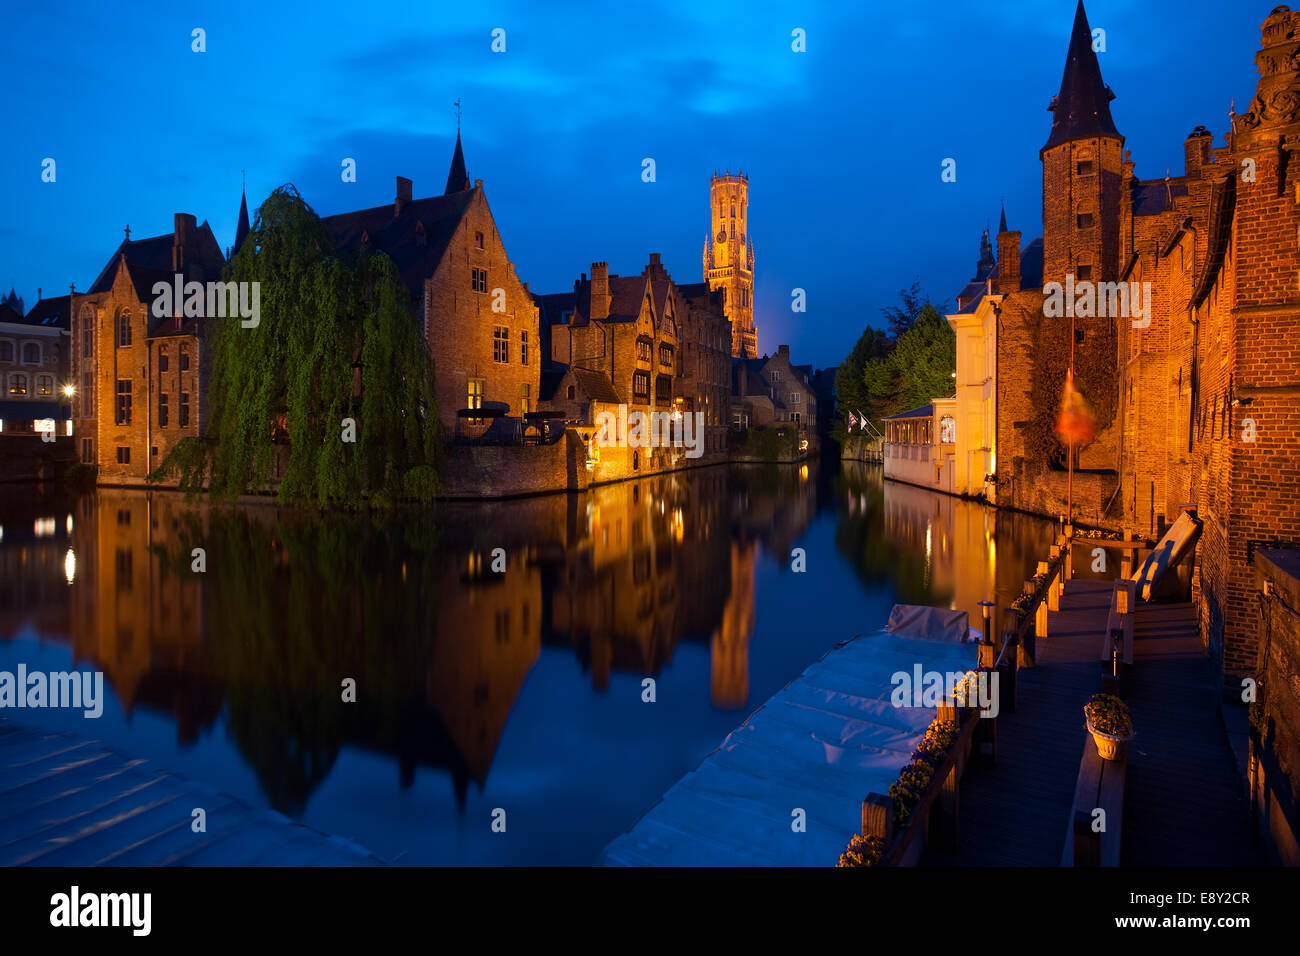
<point x="819" y="745"/>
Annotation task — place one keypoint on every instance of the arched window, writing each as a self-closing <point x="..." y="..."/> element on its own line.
<point x="947" y="430"/>
<point x="31" y="353"/>
<point x="6" y="351"/>
<point x="733" y="212"/>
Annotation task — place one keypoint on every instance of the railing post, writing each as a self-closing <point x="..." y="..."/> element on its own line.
<point x="1126" y="562"/>
<point x="1040" y="615"/>
<point x="986" y="731"/>
<point x="1069" y="552"/>
<point x="878" y="817"/>
<point x="1054" y="586"/>
<point x="1025" y="647"/>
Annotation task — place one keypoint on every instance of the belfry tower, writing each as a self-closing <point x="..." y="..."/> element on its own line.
<point x="729" y="258"/>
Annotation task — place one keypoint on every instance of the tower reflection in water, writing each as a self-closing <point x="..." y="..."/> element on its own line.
<point x="444" y="620"/>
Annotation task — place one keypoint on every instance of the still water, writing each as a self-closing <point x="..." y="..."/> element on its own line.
<point x="476" y="688"/>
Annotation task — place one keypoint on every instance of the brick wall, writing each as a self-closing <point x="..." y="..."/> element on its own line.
<point x="1275" y="773"/>
<point x="460" y="321"/>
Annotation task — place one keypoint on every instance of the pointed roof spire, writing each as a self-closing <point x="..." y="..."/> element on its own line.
<point x="1082" y="108"/>
<point x="241" y="230"/>
<point x="457" y="178"/>
<point x="1002" y="223"/>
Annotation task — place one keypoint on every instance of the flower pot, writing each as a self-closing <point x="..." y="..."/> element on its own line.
<point x="1109" y="747"/>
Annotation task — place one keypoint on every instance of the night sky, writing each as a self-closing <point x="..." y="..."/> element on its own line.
<point x="843" y="143"/>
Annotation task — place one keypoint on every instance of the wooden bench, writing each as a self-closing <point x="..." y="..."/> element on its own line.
<point x="1117" y="642"/>
<point x="1100" y="787"/>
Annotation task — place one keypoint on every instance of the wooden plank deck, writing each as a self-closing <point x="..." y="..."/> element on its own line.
<point x="69" y="801"/>
<point x="1184" y="804"/>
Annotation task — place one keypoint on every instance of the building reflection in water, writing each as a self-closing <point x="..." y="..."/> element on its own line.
<point x="439" y="626"/>
<point x="440" y="620"/>
<point x="938" y="549"/>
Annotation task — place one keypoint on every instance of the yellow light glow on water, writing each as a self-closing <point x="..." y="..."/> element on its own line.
<point x="43" y="527"/>
<point x="803" y="472"/>
<point x="68" y="524"/>
<point x="70" y="565"/>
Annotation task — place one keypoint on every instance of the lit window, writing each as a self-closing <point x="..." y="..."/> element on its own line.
<point x="124" y="401"/>
<point x="44" y="385"/>
<point x="17" y="384"/>
<point x="475" y="393"/>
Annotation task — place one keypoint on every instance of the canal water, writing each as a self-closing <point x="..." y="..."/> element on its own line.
<point x="499" y="650"/>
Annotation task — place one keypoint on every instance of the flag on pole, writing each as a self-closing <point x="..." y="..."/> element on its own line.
<point x="1075" y="423"/>
<point x="853" y="420"/>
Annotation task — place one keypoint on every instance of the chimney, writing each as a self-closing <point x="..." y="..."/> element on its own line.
<point x="1196" y="152"/>
<point x="783" y="350"/>
<point x="1008" y="261"/>
<point x="599" y="290"/>
<point x="403" y="195"/>
<point x="183" y="228"/>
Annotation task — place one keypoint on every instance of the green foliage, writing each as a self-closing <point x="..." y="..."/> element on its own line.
<point x="765" y="444"/>
<point x="187" y="461"/>
<point x="902" y="317"/>
<point x="327" y="320"/>
<point x="850" y="386"/>
<point x="883" y="376"/>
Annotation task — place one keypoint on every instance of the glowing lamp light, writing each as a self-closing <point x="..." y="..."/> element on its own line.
<point x="70" y="565"/>
<point x="69" y="390"/>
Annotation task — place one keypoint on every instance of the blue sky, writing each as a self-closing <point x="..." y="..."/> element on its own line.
<point x="843" y="143"/>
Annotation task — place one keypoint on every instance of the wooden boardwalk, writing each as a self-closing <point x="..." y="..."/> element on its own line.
<point x="1184" y="802"/>
<point x="68" y="801"/>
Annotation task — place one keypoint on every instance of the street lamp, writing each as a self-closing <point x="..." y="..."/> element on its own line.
<point x="69" y="390"/>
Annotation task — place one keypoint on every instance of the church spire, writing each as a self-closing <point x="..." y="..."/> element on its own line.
<point x="1002" y="223"/>
<point x="457" y="178"/>
<point x="241" y="230"/>
<point x="1082" y="108"/>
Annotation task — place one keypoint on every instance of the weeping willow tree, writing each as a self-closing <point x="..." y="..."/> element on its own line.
<point x="328" y="322"/>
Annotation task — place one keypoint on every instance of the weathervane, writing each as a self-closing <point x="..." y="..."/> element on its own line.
<point x="457" y="105"/>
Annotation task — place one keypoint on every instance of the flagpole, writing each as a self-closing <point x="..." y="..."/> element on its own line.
<point x="1069" y="445"/>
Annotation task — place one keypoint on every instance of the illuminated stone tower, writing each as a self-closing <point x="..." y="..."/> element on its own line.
<point x="729" y="258"/>
<point x="1081" y="170"/>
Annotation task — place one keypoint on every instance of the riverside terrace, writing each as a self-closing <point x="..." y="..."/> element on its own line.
<point x="1020" y="789"/>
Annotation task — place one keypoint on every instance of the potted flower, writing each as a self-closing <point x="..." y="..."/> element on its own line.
<point x="863" y="851"/>
<point x="1110" y="723"/>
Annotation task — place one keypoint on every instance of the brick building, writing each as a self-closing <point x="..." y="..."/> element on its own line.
<point x="771" y="391"/>
<point x="34" y="368"/>
<point x="140" y="380"/>
<point x="480" y="321"/>
<point x="1193" y="385"/>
